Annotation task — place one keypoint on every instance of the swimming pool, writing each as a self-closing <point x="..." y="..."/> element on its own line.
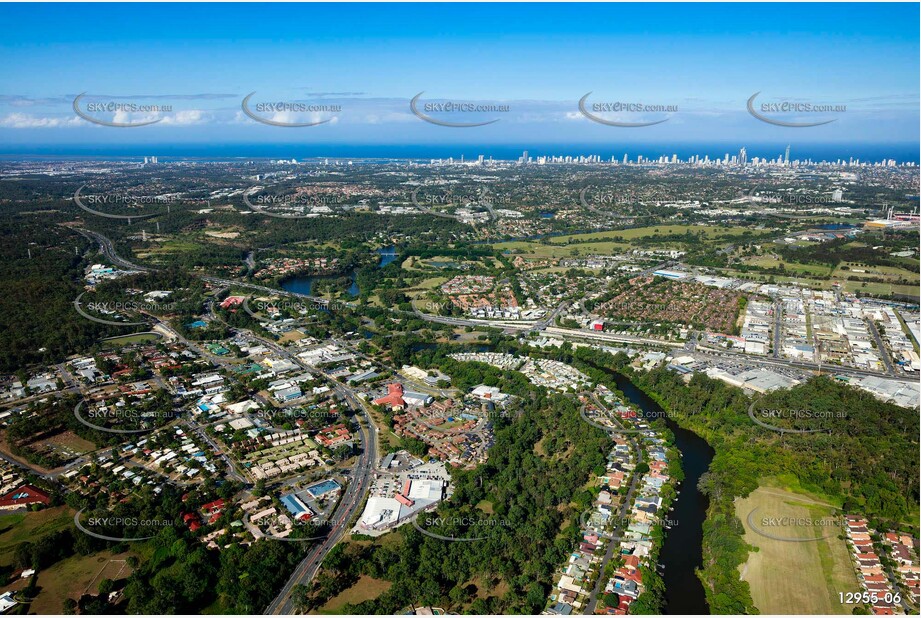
<point x="323" y="487"/>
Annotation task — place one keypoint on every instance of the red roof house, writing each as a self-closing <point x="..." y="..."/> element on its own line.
<point x="24" y="496"/>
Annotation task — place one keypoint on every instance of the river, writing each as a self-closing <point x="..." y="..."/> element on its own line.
<point x="304" y="284"/>
<point x="681" y="552"/>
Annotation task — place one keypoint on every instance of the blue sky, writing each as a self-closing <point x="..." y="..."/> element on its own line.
<point x="704" y="61"/>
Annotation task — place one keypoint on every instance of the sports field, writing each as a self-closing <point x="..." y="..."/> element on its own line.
<point x="789" y="576"/>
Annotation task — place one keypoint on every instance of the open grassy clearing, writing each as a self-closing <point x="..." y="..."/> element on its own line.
<point x="767" y="261"/>
<point x="75" y="576"/>
<point x="554" y="251"/>
<point x="365" y="589"/>
<point x="709" y="231"/>
<point x="795" y="576"/>
<point x="880" y="272"/>
<point x="129" y="339"/>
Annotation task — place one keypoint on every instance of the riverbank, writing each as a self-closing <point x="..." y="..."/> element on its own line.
<point x="682" y="550"/>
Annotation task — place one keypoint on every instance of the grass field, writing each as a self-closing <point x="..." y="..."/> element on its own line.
<point x="365" y="589"/>
<point x="169" y="247"/>
<point x="68" y="444"/>
<point x="889" y="273"/>
<point x="709" y="231"/>
<point x="418" y="292"/>
<point x="17" y="528"/>
<point x="75" y="576"/>
<point x="789" y="577"/>
<point x="293" y="335"/>
<point x="128" y="339"/>
<point x="794" y="268"/>
<point x="601" y="243"/>
<point x="556" y="251"/>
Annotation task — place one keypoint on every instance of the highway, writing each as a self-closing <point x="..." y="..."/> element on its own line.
<point x="351" y="501"/>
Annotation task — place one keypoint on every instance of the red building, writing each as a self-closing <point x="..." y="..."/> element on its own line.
<point x="393" y="398"/>
<point x="24" y="496"/>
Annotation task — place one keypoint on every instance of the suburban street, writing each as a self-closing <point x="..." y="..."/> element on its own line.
<point x="619" y="522"/>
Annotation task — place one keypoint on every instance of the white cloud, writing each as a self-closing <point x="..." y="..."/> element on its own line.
<point x="28" y="121"/>
<point x="187" y="117"/>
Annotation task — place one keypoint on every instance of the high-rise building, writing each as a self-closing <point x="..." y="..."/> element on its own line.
<point x="743" y="156"/>
<point x="786" y="155"/>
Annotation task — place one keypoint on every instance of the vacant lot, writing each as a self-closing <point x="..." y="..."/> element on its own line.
<point x="795" y="577"/>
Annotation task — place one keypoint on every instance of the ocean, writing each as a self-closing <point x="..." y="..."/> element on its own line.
<point x="902" y="153"/>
